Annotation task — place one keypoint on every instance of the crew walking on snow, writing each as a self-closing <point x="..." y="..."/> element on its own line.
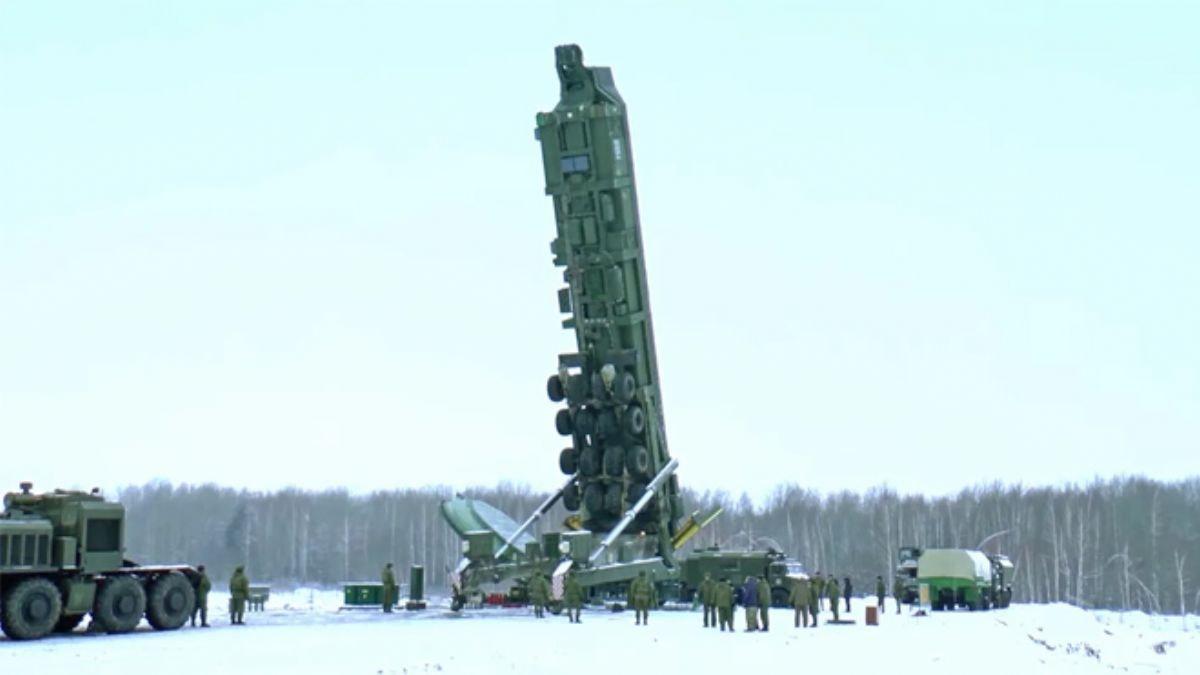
<point x="846" y="589"/>
<point x="880" y="591"/>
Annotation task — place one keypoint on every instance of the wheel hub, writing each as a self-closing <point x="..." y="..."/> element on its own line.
<point x="174" y="601"/>
<point x="125" y="604"/>
<point x="37" y="609"/>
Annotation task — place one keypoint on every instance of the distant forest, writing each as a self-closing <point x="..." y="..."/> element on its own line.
<point x="1126" y="543"/>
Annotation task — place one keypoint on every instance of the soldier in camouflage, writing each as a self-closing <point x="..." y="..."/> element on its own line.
<point x="239" y="592"/>
<point x="389" y="588"/>
<point x="723" y="596"/>
<point x="706" y="593"/>
<point x="831" y="586"/>
<point x="814" y="602"/>
<point x="799" y="600"/>
<point x="764" y="603"/>
<point x="898" y="592"/>
<point x="202" y="585"/>
<point x="573" y="597"/>
<point x="880" y="592"/>
<point x="539" y="594"/>
<point x="641" y="596"/>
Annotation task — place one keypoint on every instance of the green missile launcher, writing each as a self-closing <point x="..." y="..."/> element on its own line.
<point x="610" y="385"/>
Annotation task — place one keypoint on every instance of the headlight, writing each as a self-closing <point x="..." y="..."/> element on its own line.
<point x="564" y="547"/>
<point x="465" y="547"/>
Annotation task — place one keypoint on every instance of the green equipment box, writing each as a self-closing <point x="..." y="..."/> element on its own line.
<point x="363" y="595"/>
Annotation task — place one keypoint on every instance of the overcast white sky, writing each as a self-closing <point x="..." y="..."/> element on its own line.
<point x="307" y="243"/>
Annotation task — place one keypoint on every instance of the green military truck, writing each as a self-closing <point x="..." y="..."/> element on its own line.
<point x="956" y="578"/>
<point x="62" y="557"/>
<point x="736" y="566"/>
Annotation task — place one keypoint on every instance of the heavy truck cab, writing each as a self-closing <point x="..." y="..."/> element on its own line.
<point x="62" y="557"/>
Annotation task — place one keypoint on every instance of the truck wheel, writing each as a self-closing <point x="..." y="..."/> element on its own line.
<point x="612" y="499"/>
<point x="568" y="461"/>
<point x="120" y="605"/>
<point x="562" y="422"/>
<point x="554" y="389"/>
<point x="31" y="609"/>
<point x="68" y="622"/>
<point x="585" y="421"/>
<point x="589" y="461"/>
<point x="593" y="498"/>
<point x="170" y="603"/>
<point x="635" y="420"/>
<point x="570" y="498"/>
<point x="614" y="461"/>
<point x="637" y="461"/>
<point x="625" y="387"/>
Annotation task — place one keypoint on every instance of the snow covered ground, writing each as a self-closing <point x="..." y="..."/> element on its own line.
<point x="302" y="632"/>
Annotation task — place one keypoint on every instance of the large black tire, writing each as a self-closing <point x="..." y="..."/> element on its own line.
<point x="568" y="461"/>
<point x="625" y="387"/>
<point x="577" y="389"/>
<point x="614" y="461"/>
<point x="31" y="609"/>
<point x="589" y="461"/>
<point x="593" y="498"/>
<point x="606" y="423"/>
<point x="68" y="622"/>
<point x="585" y="421"/>
<point x="637" y="461"/>
<point x="635" y="420"/>
<point x="562" y="422"/>
<point x="570" y="498"/>
<point x="612" y="499"/>
<point x="170" y="602"/>
<point x="554" y="389"/>
<point x="120" y="604"/>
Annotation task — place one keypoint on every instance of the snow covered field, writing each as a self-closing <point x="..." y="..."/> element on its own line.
<point x="302" y="632"/>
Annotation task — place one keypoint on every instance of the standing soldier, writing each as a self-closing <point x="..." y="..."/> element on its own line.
<point x="798" y="599"/>
<point x="814" y="601"/>
<point x="389" y="588"/>
<point x="539" y="594"/>
<point x="239" y="592"/>
<point x="880" y="591"/>
<point x="898" y="592"/>
<point x="764" y="603"/>
<point x="202" y="586"/>
<point x="819" y="584"/>
<point x="723" y="597"/>
<point x="832" y="587"/>
<point x="641" y="596"/>
<point x="706" y="592"/>
<point x="573" y="597"/>
<point x="846" y="590"/>
<point x="750" y="602"/>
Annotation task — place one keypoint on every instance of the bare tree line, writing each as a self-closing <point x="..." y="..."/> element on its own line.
<point x="1125" y="543"/>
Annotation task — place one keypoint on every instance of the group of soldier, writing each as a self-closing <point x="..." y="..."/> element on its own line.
<point x="239" y="593"/>
<point x="720" y="599"/>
